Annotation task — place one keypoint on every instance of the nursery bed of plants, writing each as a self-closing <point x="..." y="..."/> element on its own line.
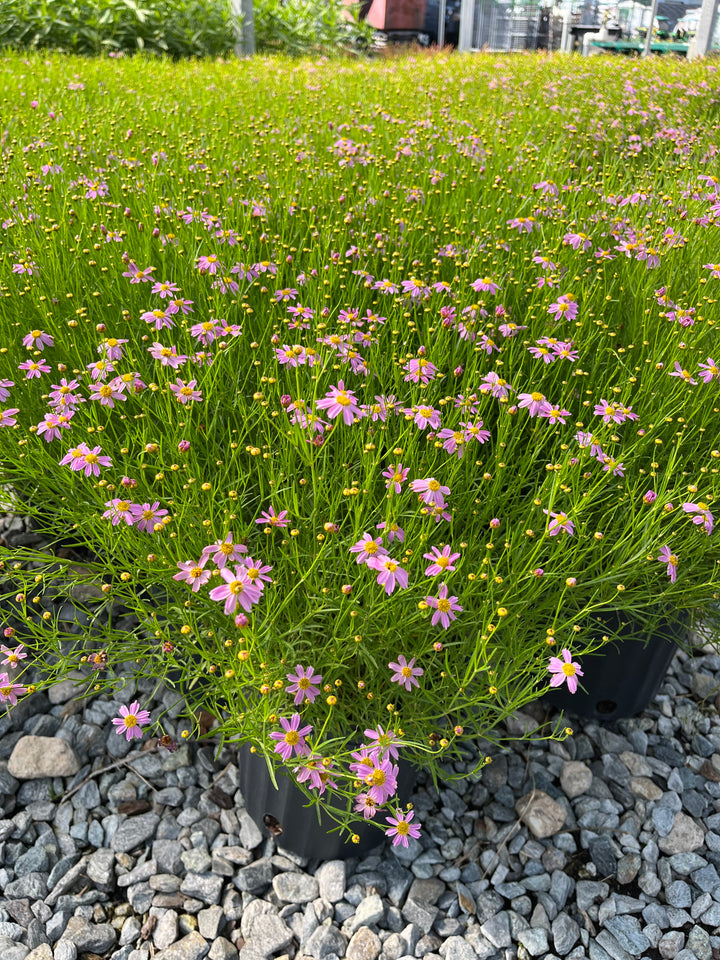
<point x="354" y="392"/>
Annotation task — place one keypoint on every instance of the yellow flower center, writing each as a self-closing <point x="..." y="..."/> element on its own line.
<point x="237" y="586"/>
<point x="343" y="399"/>
<point x="371" y="547"/>
<point x="403" y="828"/>
<point x="443" y="605"/>
<point x="131" y="720"/>
<point x="91" y="458"/>
<point x="443" y="561"/>
<point x="377" y="778"/>
<point x="292" y="737"/>
<point x="35" y="334"/>
<point x="406" y="672"/>
<point x="433" y="485"/>
<point x="196" y="572"/>
<point x="303" y="683"/>
<point x="537" y="396"/>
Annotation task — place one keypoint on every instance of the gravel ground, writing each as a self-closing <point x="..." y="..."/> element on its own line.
<point x="605" y="846"/>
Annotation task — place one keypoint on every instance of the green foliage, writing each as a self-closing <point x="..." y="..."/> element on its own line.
<point x="356" y="225"/>
<point x="176" y="28"/>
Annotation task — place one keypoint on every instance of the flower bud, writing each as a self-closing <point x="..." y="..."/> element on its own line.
<point x="241" y="620"/>
<point x="650" y="497"/>
<point x="184" y="446"/>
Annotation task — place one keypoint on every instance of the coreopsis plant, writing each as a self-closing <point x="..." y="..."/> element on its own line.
<point x="355" y="472"/>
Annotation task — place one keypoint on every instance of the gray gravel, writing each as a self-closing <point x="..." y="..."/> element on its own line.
<point x="605" y="846"/>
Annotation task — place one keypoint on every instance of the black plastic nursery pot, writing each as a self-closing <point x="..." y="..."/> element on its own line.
<point x="286" y="810"/>
<point x="624" y="677"/>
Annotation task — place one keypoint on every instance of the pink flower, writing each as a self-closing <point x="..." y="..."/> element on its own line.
<point x="338" y="401"/>
<point x="147" y="517"/>
<point x="683" y="374"/>
<point x="10" y="691"/>
<point x="671" y="559"/>
<point x="119" y="510"/>
<point x="13" y="657"/>
<point x="431" y="490"/>
<point x="382" y="779"/>
<point x="441" y="562"/>
<point x="420" y="370"/>
<point x="7" y="417"/>
<point x="302" y="684"/>
<point x="394" y="532"/>
<point x="33" y="369"/>
<point x="367" y="548"/>
<point x="272" y="519"/>
<point x="168" y="356"/>
<point x="165" y="289"/>
<point x="534" y="402"/>
<point x="37" y="340"/>
<point x="206" y="332"/>
<point x="237" y="589"/>
<point x="565" y="670"/>
<point x="401" y="828"/>
<point x="703" y="515"/>
<point x="4" y="392"/>
<point x="564" y="309"/>
<point x="555" y="414"/>
<point x="453" y="441"/>
<point x="610" y="412"/>
<point x="292" y="738"/>
<point x="158" y="318"/>
<point x="107" y="393"/>
<point x="257" y="573"/>
<point x="185" y="392"/>
<point x="365" y="805"/>
<point x="426" y="417"/>
<point x="709" y="371"/>
<point x="390" y="573"/>
<point x="405" y="673"/>
<point x="316" y="772"/>
<point x="209" y="264"/>
<point x="559" y="522"/>
<point x="112" y="348"/>
<point x="445" y="607"/>
<point x="396" y="475"/>
<point x="385" y="741"/>
<point x="85" y="459"/>
<point x="485" y="284"/>
<point x="130" y="721"/>
<point x="193" y="573"/>
<point x="649" y="497"/>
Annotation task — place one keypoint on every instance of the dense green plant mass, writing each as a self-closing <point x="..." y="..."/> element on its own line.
<point x="361" y="391"/>
<point x="176" y="28"/>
